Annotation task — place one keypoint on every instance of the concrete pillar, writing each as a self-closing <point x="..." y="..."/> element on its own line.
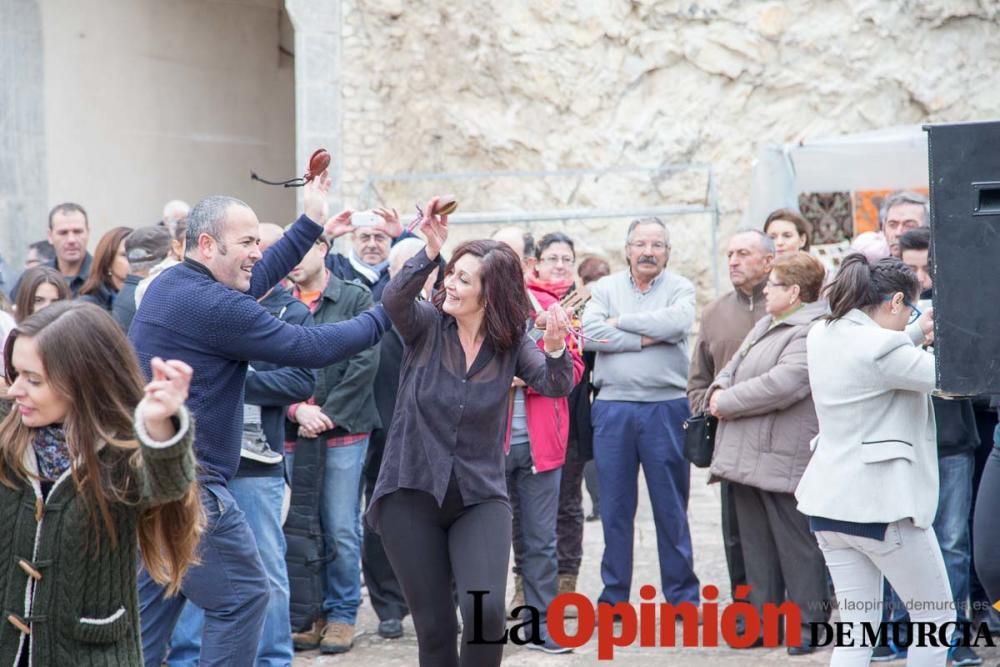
<point x="318" y="108"/>
<point x="23" y="182"/>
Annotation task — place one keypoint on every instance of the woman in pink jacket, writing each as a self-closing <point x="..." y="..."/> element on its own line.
<point x="537" y="435"/>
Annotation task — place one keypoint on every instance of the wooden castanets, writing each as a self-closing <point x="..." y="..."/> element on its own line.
<point x="319" y="161"/>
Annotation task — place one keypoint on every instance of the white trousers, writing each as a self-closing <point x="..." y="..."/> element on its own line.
<point x="910" y="559"/>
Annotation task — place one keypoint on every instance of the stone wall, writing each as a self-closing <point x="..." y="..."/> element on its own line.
<point x="551" y="84"/>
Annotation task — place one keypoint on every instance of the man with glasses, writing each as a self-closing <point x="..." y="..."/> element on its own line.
<point x="367" y="262"/>
<point x="724" y="324"/>
<point x="638" y="322"/>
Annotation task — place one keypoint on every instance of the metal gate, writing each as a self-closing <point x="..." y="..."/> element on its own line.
<point x="706" y="204"/>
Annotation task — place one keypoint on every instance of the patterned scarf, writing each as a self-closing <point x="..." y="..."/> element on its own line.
<point x="51" y="452"/>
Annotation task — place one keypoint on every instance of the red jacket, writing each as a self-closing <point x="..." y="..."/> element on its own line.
<point x="548" y="418"/>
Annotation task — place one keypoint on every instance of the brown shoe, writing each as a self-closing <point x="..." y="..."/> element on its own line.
<point x="567" y="584"/>
<point x="518" y="599"/>
<point x="338" y="638"/>
<point x="309" y="640"/>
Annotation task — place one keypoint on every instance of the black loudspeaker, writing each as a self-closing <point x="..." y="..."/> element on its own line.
<point x="964" y="164"/>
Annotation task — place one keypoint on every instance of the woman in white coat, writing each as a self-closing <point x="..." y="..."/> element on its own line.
<point x="871" y="487"/>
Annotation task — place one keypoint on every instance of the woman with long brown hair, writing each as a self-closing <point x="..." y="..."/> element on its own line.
<point x="93" y="468"/>
<point x="41" y="286"/>
<point x="440" y="503"/>
<point x="109" y="270"/>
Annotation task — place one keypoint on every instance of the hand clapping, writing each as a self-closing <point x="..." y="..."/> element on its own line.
<point x="556" y="328"/>
<point x="164" y="396"/>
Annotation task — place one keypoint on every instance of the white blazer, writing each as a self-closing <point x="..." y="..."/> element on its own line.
<point x="875" y="458"/>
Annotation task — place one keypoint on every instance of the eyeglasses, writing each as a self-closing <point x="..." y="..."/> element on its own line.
<point x="658" y="246"/>
<point x="555" y="259"/>
<point x="914" y="316"/>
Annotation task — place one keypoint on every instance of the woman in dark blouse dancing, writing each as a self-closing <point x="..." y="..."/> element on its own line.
<point x="440" y="502"/>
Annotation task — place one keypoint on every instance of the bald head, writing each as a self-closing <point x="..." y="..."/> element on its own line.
<point x="523" y="244"/>
<point x="512" y="236"/>
<point x="270" y="234"/>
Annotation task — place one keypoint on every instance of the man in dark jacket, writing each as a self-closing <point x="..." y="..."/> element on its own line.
<point x="957" y="440"/>
<point x="724" y="324"/>
<point x="204" y="311"/>
<point x="259" y="483"/>
<point x="145" y="247"/>
<point x="342" y="414"/>
<point x="383" y="588"/>
<point x="69" y="231"/>
<point x="367" y="262"/>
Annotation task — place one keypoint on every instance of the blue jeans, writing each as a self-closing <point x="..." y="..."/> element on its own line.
<point x="260" y="498"/>
<point x="340" y="514"/>
<point x="951" y="525"/>
<point x="230" y="584"/>
<point x="626" y="435"/>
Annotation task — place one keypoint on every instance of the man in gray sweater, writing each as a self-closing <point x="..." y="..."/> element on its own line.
<point x="639" y="321"/>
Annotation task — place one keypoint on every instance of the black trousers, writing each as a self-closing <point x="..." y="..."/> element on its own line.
<point x="569" y="528"/>
<point x="783" y="559"/>
<point x="986" y="421"/>
<point x="731" y="539"/>
<point x="383" y="588"/>
<point x="986" y="527"/>
<point x="427" y="545"/>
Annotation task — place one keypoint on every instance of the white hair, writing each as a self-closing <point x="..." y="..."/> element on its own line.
<point x="175" y="210"/>
<point x="403" y="251"/>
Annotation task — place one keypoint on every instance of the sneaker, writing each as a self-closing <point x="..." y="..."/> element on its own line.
<point x="888" y="653"/>
<point x="258" y="450"/>
<point x="309" y="640"/>
<point x="548" y="646"/>
<point x="337" y="638"/>
<point x="390" y="628"/>
<point x="963" y="655"/>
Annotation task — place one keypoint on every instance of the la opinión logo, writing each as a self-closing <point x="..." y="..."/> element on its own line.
<point x="652" y="624"/>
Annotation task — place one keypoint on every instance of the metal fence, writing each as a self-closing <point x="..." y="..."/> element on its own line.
<point x="707" y="204"/>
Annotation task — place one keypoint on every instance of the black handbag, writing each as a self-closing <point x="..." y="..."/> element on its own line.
<point x="699" y="439"/>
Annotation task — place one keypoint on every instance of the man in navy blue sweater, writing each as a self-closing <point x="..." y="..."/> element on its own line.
<point x="204" y="311"/>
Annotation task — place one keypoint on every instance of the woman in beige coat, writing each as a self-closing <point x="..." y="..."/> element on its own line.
<point x="766" y="420"/>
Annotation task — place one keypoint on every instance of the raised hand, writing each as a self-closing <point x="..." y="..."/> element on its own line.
<point x="339" y="225"/>
<point x="434" y="228"/>
<point x="390" y="222"/>
<point x="164" y="396"/>
<point x="314" y="197"/>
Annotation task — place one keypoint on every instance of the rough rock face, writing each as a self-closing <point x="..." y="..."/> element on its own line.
<point x="553" y="84"/>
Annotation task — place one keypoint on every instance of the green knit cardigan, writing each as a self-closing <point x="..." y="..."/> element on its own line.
<point x="80" y="605"/>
